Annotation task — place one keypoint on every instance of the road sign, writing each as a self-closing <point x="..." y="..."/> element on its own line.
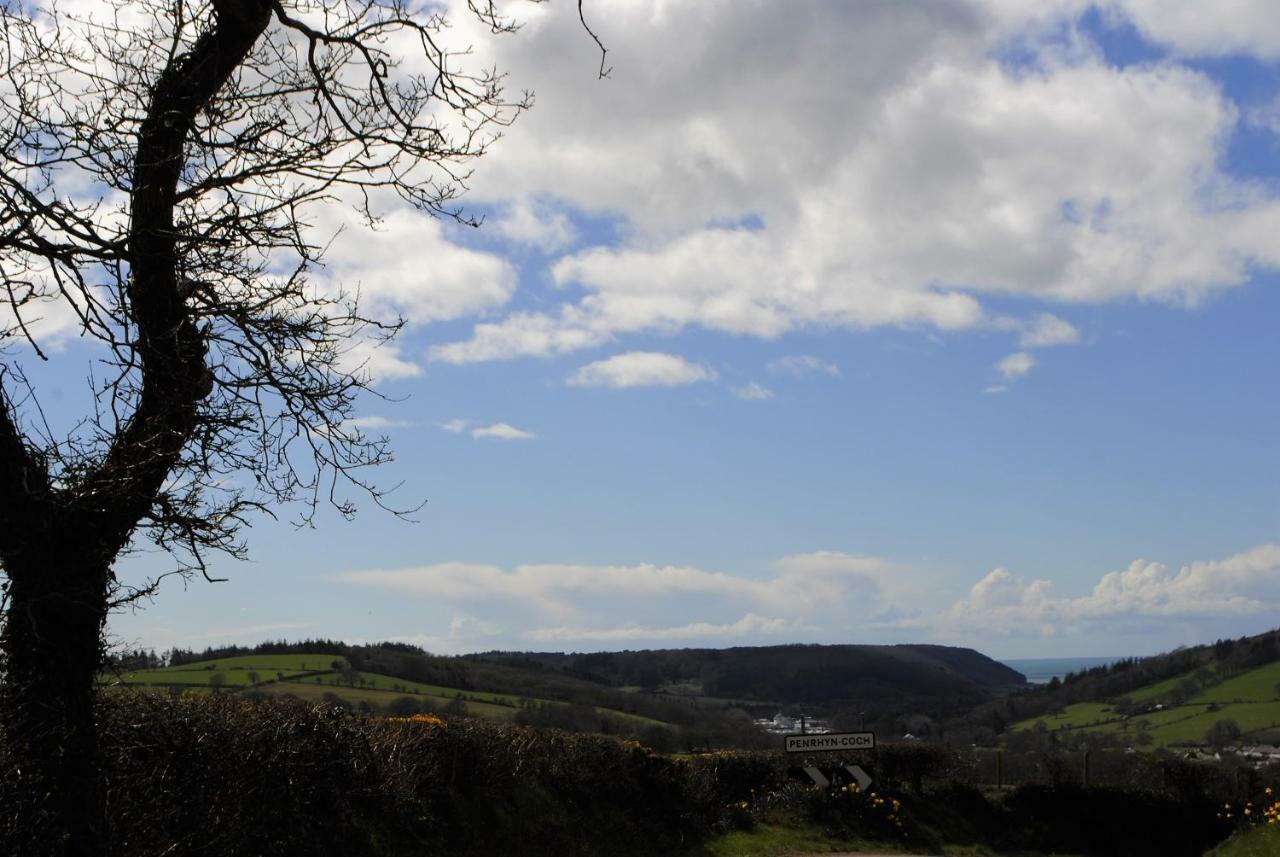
<point x="830" y="742"/>
<point x="819" y="779"/>
<point x="861" y="777"/>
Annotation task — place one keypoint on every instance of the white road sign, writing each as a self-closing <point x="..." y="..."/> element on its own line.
<point x="861" y="777"/>
<point x="819" y="779"/>
<point x="830" y="742"/>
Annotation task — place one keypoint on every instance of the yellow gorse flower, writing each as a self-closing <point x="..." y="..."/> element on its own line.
<point x="427" y="719"/>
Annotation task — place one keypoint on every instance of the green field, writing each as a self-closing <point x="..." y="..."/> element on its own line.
<point x="1250" y="699"/>
<point x="313" y="692"/>
<point x="310" y="677"/>
<point x="1158" y="692"/>
<point x="1259" y="685"/>
<point x="234" y="672"/>
<point x="1072" y="717"/>
<point x="1259" y="841"/>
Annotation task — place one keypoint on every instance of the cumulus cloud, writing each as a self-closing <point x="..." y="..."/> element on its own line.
<point x="1015" y="365"/>
<point x="922" y="176"/>
<point x="49" y="321"/>
<point x="522" y="335"/>
<point x="1047" y="330"/>
<point x="832" y="595"/>
<point x="379" y="360"/>
<point x="752" y="392"/>
<point x="641" y="369"/>
<point x="455" y="426"/>
<point x="828" y="586"/>
<point x="406" y="265"/>
<point x="1244" y="26"/>
<point x="537" y="224"/>
<point x="501" y="431"/>
<point x="1246" y="584"/>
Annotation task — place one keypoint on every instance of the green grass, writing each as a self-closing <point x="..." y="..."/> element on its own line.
<point x="1260" y="841"/>
<point x="1249" y="699"/>
<point x="1256" y="685"/>
<point x="775" y="841"/>
<point x="1160" y="690"/>
<point x="299" y="678"/>
<point x="1173" y="725"/>
<point x="312" y="692"/>
<point x="390" y="683"/>
<point x="234" y="671"/>
<point x="1250" y="717"/>
<point x="1072" y="717"/>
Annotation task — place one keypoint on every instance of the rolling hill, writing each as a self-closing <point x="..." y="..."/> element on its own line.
<point x="1216" y="702"/>
<point x="324" y="677"/>
<point x="824" y="679"/>
<point x="672" y="698"/>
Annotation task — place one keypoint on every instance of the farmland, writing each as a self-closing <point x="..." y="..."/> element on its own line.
<point x="1178" y="711"/>
<point x="323" y="677"/>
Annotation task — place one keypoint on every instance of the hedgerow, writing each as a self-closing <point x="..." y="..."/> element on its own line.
<point x="221" y="775"/>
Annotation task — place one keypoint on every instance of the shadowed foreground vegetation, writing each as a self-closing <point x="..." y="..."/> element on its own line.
<point x="219" y="775"/>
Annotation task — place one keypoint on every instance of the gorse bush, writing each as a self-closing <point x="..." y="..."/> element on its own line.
<point x="1264" y="808"/>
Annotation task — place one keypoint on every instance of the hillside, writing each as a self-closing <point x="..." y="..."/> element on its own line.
<point x="673" y="698"/>
<point x="876" y="681"/>
<point x="323" y="677"/>
<point x="1223" y="695"/>
<point x="492" y="693"/>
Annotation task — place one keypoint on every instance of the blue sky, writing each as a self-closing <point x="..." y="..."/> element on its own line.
<point x="905" y="322"/>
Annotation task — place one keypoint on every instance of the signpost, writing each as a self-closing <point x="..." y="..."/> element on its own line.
<point x="828" y="743"/>
<point x="831" y="741"/>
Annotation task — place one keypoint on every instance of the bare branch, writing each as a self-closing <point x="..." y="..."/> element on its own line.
<point x="604" y="52"/>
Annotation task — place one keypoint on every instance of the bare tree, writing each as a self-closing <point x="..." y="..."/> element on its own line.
<point x="158" y="160"/>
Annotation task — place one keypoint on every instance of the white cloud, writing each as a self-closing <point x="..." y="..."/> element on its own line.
<point x="749" y="625"/>
<point x="1048" y="330"/>
<point x="522" y="335"/>
<point x="1265" y="115"/>
<point x="407" y="265"/>
<point x="919" y="176"/>
<point x="1015" y="365"/>
<point x="536" y="224"/>
<point x="377" y="422"/>
<point x="502" y="431"/>
<point x="995" y="389"/>
<point x="641" y="369"/>
<point x="455" y="426"/>
<point x="753" y="392"/>
<point x="799" y="365"/>
<point x="50" y="321"/>
<point x="1243" y="585"/>
<point x="1192" y="29"/>
<point x="827" y="586"/>
<point x="831" y="595"/>
<point x="381" y="361"/>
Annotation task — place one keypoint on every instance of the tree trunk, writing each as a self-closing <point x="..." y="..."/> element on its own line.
<point x="57" y="544"/>
<point x="52" y="652"/>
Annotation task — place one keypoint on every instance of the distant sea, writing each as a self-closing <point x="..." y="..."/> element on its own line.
<point x="1043" y="670"/>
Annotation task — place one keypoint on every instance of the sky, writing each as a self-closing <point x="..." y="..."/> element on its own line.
<point x="942" y="322"/>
